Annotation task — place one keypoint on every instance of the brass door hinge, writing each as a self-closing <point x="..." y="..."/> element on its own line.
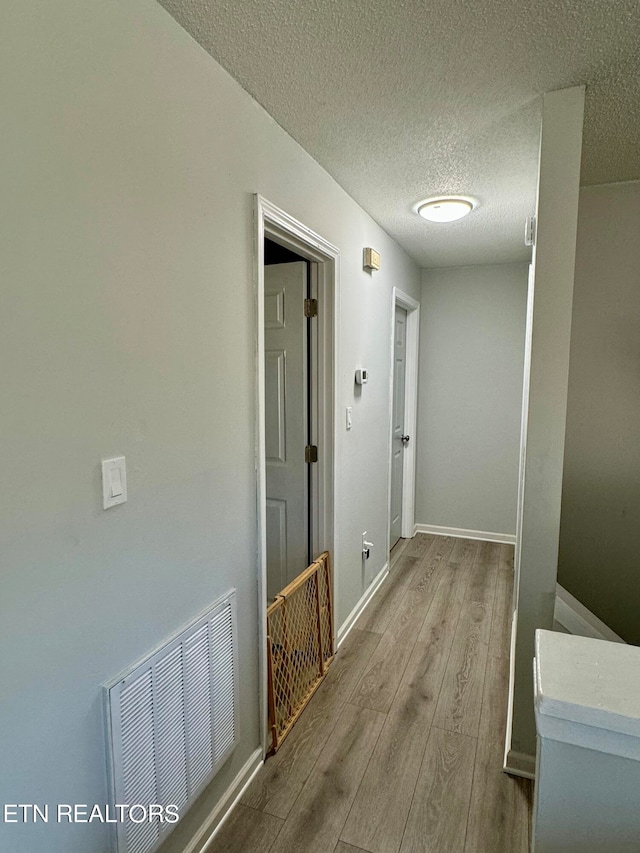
<point x="311" y="453"/>
<point x="310" y="307"/>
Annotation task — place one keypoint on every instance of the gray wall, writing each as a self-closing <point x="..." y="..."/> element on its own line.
<point x="470" y="400"/>
<point x="600" y="525"/>
<point x="129" y="159"/>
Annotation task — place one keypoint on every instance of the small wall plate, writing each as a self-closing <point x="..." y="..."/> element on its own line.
<point x="371" y="260"/>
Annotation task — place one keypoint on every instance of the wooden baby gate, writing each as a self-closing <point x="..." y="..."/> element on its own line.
<point x="299" y="645"/>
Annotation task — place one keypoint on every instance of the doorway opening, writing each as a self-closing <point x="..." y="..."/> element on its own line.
<point x="296" y="312"/>
<point x="403" y="398"/>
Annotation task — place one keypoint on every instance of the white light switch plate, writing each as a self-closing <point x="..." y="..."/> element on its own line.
<point x="114" y="482"/>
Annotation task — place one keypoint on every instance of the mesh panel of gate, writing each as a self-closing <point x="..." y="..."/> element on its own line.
<point x="299" y="645"/>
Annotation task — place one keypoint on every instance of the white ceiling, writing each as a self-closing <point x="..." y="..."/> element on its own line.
<point x="407" y="99"/>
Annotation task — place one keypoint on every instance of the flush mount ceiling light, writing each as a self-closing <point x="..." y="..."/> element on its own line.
<point x="446" y="208"/>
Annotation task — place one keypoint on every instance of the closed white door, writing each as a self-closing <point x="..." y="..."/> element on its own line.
<point x="398" y="438"/>
<point x="285" y="335"/>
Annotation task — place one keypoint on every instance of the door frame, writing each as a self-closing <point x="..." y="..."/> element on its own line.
<point x="277" y="225"/>
<point x="412" y="307"/>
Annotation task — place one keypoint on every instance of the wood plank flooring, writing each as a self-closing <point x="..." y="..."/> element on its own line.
<point x="400" y="750"/>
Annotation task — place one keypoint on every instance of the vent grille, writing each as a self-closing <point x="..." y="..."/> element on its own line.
<point x="172" y="723"/>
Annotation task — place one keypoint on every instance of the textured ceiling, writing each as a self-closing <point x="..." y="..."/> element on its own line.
<point x="406" y="99"/>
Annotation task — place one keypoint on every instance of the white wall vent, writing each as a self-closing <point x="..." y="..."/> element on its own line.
<point x="172" y="722"/>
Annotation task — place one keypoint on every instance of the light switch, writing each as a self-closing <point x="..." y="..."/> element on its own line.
<point x="349" y="421"/>
<point x="114" y="482"/>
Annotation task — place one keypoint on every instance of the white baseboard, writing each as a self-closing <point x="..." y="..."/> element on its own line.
<point x="461" y="533"/>
<point x="371" y="590"/>
<point x="515" y="763"/>
<point x="512" y="678"/>
<point x="577" y="619"/>
<point x="520" y="764"/>
<point x="225" y="805"/>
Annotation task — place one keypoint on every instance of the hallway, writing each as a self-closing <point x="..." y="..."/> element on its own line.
<point x="401" y="747"/>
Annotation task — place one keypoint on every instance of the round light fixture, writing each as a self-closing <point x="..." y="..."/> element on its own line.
<point x="445" y="209"/>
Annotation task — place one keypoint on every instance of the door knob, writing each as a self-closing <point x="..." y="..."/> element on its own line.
<point x="405" y="439"/>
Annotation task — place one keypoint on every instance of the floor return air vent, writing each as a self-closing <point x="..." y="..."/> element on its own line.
<point x="172" y="721"/>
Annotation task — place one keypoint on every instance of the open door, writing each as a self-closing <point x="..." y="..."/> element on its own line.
<point x="286" y="369"/>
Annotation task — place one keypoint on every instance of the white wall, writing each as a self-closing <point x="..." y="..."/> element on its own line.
<point x="471" y="368"/>
<point x="544" y="406"/>
<point x="600" y="528"/>
<point x="129" y="160"/>
<point x="587" y="800"/>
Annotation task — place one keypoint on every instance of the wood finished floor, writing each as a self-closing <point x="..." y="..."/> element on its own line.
<point x="400" y="750"/>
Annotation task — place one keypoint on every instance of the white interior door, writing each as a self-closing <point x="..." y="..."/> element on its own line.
<point x="285" y="335"/>
<point x="398" y="437"/>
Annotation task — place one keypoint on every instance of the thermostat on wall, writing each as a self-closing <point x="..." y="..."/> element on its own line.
<point x="362" y="376"/>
